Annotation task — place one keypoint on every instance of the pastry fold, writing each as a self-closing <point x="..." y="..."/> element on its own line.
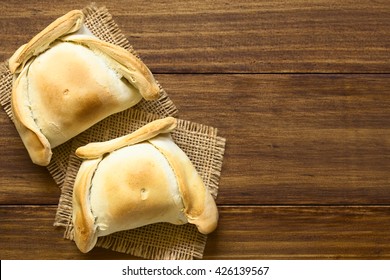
<point x="66" y="80"/>
<point x="136" y="180"/>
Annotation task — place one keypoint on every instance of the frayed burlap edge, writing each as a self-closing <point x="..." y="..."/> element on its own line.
<point x="158" y="241"/>
<point x="179" y="242"/>
<point x="6" y="88"/>
<point x="100" y="22"/>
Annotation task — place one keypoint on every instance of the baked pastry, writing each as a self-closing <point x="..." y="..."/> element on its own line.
<point x="66" y="80"/>
<point x="135" y="180"/>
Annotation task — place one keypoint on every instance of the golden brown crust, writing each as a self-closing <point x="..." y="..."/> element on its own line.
<point x="85" y="234"/>
<point x="79" y="91"/>
<point x="150" y="130"/>
<point x="66" y="24"/>
<point x="124" y="62"/>
<point x="135" y="185"/>
<point x="207" y="221"/>
<point x="35" y="142"/>
<point x="132" y="187"/>
<point x="57" y="111"/>
<point x="199" y="206"/>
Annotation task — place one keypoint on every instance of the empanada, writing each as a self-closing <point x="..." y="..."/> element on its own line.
<point x="66" y="80"/>
<point x="136" y="180"/>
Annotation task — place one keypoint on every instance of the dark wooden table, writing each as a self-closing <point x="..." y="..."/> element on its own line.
<point x="301" y="92"/>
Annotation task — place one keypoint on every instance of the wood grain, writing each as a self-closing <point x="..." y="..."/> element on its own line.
<point x="295" y="139"/>
<point x="300" y="90"/>
<point x="291" y="139"/>
<point x="265" y="233"/>
<point x="301" y="233"/>
<point x="229" y="37"/>
<point x="21" y="182"/>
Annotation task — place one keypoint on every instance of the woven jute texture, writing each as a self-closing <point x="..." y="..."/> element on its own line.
<point x="100" y="22"/>
<point x="159" y="241"/>
<point x="200" y="142"/>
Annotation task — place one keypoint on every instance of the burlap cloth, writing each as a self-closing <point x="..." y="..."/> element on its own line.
<point x="99" y="21"/>
<point x="159" y="241"/>
<point x="199" y="142"/>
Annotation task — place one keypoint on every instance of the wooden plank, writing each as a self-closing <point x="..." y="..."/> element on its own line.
<point x="294" y="139"/>
<point x="301" y="233"/>
<point x="20" y="180"/>
<point x="27" y="232"/>
<point x="241" y="36"/>
<point x="305" y="174"/>
<point x="291" y="139"/>
<point x="243" y="233"/>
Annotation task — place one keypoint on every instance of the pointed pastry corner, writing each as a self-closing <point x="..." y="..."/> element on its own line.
<point x="13" y="63"/>
<point x="66" y="24"/>
<point x="152" y="92"/>
<point x="125" y="63"/>
<point x="85" y="232"/>
<point x="146" y="132"/>
<point x="36" y="143"/>
<point x="84" y="237"/>
<point x="88" y="151"/>
<point x="199" y="205"/>
<point x="165" y="125"/>
<point x="207" y="221"/>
